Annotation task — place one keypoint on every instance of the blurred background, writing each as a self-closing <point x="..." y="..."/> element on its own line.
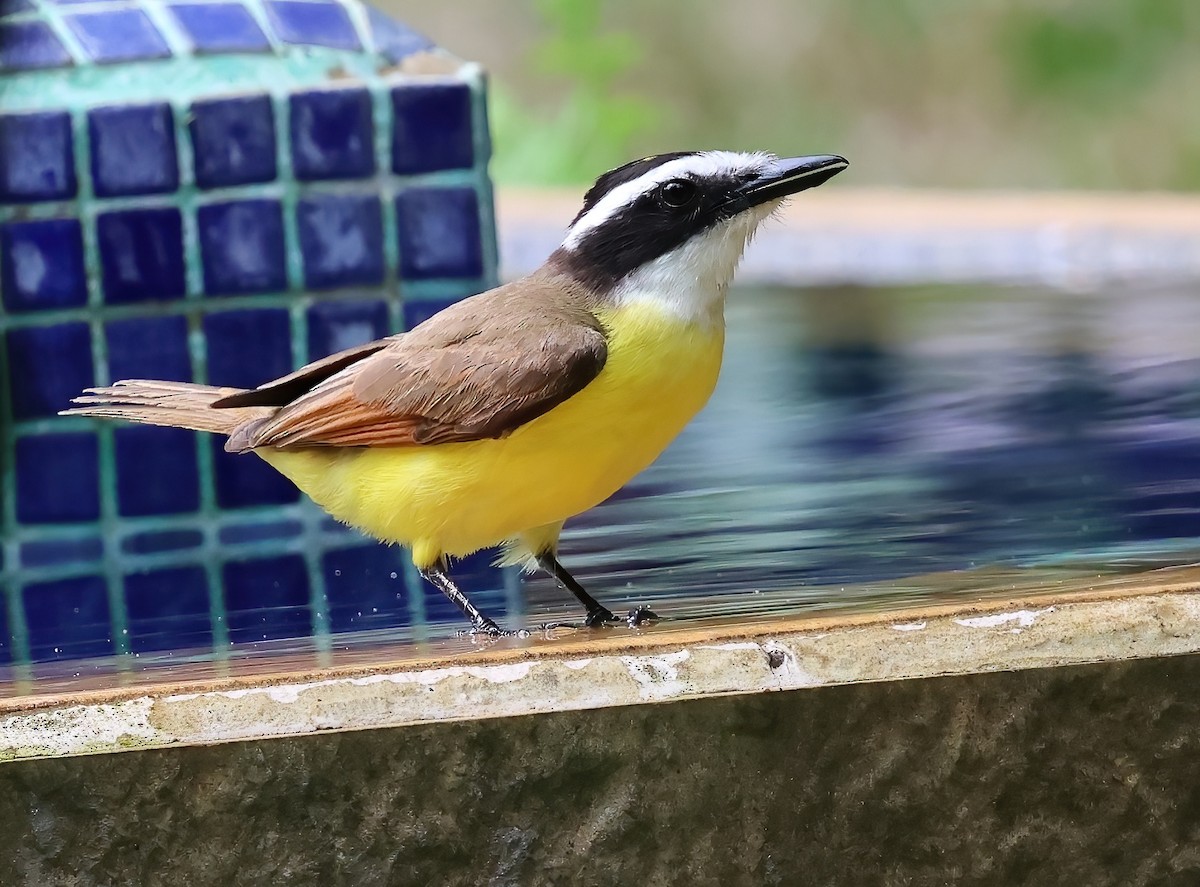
<point x="988" y="94"/>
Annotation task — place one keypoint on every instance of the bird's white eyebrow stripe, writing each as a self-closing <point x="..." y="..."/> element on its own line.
<point x="707" y="163"/>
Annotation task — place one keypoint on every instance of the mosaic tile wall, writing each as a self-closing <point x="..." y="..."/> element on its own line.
<point x="226" y="236"/>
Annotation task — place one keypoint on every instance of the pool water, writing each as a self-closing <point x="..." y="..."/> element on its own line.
<point x="870" y="448"/>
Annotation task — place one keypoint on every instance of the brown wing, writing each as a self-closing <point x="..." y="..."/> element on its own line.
<point x="475" y="375"/>
<point x="287" y="388"/>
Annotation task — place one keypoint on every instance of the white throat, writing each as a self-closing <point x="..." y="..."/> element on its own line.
<point x="691" y="282"/>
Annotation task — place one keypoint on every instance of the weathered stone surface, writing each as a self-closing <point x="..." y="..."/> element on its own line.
<point x="1085" y="775"/>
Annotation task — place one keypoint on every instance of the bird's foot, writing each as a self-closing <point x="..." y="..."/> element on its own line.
<point x="640" y="616"/>
<point x="486" y="628"/>
<point x="598" y="617"/>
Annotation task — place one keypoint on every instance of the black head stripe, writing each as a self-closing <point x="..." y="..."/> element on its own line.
<point x="644" y="229"/>
<point x="622" y="174"/>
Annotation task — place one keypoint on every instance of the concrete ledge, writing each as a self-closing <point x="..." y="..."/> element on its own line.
<point x="840" y="235"/>
<point x="1077" y="622"/>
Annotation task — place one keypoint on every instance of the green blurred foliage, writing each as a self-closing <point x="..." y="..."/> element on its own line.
<point x="931" y="93"/>
<point x="1097" y="53"/>
<point x="594" y="125"/>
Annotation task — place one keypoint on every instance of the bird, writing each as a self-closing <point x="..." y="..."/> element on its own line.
<point x="505" y="414"/>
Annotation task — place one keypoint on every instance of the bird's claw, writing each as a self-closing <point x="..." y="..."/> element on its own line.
<point x="639" y="616"/>
<point x="599" y="617"/>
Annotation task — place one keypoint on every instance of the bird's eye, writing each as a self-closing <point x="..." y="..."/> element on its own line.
<point x="678" y="193"/>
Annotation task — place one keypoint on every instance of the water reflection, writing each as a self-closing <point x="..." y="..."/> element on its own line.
<point x="864" y="435"/>
<point x="860" y="437"/>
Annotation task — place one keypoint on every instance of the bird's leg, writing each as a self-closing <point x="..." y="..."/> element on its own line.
<point x="597" y="613"/>
<point x="440" y="579"/>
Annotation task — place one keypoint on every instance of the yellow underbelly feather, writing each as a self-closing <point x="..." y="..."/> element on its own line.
<point x="458" y="498"/>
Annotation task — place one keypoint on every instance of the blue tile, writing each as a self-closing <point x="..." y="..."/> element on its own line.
<point x="117" y="35"/>
<point x="431" y="128"/>
<point x="365" y="587"/>
<point x="439" y="234"/>
<point x="149" y="348"/>
<point x="269" y="531"/>
<point x="141" y="255"/>
<point x="266" y="599"/>
<point x="41" y="265"/>
<point x="393" y="40"/>
<point x="56" y="552"/>
<point x="246" y="481"/>
<point x="416" y="312"/>
<point x="168" y="609"/>
<point x="157" y="541"/>
<point x="242" y="248"/>
<point x="233" y="141"/>
<point x="156" y="471"/>
<point x="220" y="27"/>
<point x="57" y="478"/>
<point x="341" y="240"/>
<point x="37" y="160"/>
<point x="333" y="135"/>
<point x="68" y="619"/>
<point x="248" y="348"/>
<point x="336" y="326"/>
<point x="133" y="150"/>
<point x="47" y="366"/>
<point x="314" y="24"/>
<point x="245" y="349"/>
<point x="25" y="46"/>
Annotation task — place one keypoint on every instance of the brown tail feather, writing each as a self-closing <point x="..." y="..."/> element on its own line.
<point x="174" y="404"/>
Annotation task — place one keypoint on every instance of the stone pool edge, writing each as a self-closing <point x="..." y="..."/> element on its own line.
<point x="1041" y="631"/>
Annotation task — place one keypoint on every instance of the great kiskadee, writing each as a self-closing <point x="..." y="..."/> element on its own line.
<point x="507" y="413"/>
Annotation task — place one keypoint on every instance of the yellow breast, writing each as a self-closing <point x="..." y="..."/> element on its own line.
<point x="458" y="498"/>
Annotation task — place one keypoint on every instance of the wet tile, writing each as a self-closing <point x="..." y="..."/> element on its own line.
<point x="365" y="587"/>
<point x="149" y="348"/>
<point x="332" y="134"/>
<point x="233" y="141"/>
<point x="247" y="348"/>
<point x="156" y="471"/>
<point x="58" y="552"/>
<point x="141" y="255"/>
<point x="41" y="265"/>
<point x="168" y="609"/>
<point x="439" y="234"/>
<point x="157" y="541"/>
<point x="336" y="326"/>
<point x="341" y="240"/>
<point x="220" y="27"/>
<point x="266" y="599"/>
<point x="259" y="531"/>
<point x="37" y="159"/>
<point x="68" y="618"/>
<point x="57" y="478"/>
<point x="133" y="150"/>
<point x="47" y="366"/>
<point x="242" y="248"/>
<point x="27" y="46"/>
<point x="431" y="128"/>
<point x="314" y="24"/>
<point x="243" y="480"/>
<point x="117" y="35"/>
<point x="393" y="40"/>
<point x="417" y="312"/>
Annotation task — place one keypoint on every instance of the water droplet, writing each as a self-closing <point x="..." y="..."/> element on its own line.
<point x="337" y="572"/>
<point x="393" y="576"/>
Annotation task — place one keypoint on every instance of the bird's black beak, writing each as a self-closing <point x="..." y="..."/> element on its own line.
<point x="789" y="176"/>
